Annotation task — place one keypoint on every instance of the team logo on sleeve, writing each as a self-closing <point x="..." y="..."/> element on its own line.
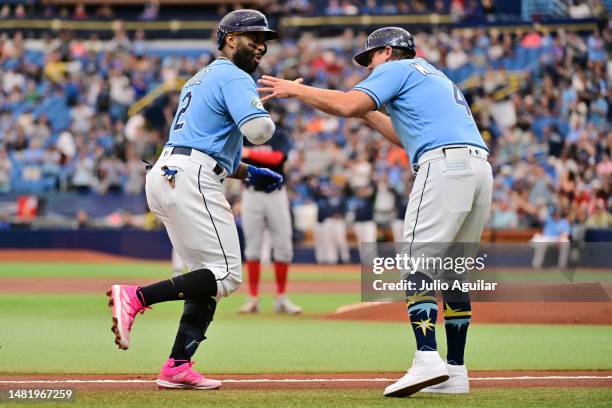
<point x="257" y="104"/>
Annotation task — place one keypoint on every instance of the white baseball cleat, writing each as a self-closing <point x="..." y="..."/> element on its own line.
<point x="457" y="383"/>
<point x="284" y="305"/>
<point x="427" y="369"/>
<point x="251" y="306"/>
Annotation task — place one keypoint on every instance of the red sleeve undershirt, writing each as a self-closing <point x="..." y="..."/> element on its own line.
<point x="268" y="158"/>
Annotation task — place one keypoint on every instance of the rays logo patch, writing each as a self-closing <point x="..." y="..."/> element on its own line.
<point x="257" y="104"/>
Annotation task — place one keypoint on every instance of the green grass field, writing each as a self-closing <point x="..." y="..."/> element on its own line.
<point x="484" y="398"/>
<point x="70" y="334"/>
<point x="75" y="330"/>
<point x="147" y="270"/>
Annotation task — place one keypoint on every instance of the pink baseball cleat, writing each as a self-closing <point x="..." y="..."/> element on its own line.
<point x="184" y="377"/>
<point x="124" y="304"/>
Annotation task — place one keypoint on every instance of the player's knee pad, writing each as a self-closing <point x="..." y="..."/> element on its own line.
<point x="197" y="315"/>
<point x="419" y="296"/>
<point x="195" y="284"/>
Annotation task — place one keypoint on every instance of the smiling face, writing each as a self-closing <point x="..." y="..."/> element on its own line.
<point x="248" y="49"/>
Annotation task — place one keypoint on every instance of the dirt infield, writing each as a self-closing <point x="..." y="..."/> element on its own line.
<point x="478" y="379"/>
<point x="493" y="312"/>
<point x="78" y="255"/>
<point x="99" y="285"/>
<point x="489" y="312"/>
<point x="61" y="255"/>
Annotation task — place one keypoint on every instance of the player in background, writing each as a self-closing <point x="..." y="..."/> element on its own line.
<point x="218" y="106"/>
<point x="451" y="195"/>
<point x="262" y="210"/>
<point x="361" y="213"/>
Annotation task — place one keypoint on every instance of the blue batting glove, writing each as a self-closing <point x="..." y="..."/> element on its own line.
<point x="260" y="177"/>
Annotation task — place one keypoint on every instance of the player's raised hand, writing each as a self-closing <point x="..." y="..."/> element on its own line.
<point x="278" y="88"/>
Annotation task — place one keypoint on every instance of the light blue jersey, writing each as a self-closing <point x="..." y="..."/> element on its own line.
<point x="214" y="104"/>
<point x="427" y="110"/>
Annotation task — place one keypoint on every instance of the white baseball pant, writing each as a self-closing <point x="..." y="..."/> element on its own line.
<point x="365" y="231"/>
<point x="335" y="240"/>
<point x="262" y="211"/>
<point x="197" y="216"/>
<point x="450" y="199"/>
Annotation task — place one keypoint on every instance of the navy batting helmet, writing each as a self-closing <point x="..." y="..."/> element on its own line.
<point x="394" y="37"/>
<point x="241" y="21"/>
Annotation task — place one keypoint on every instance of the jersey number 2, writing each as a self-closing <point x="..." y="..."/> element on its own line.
<point x="460" y="100"/>
<point x="179" y="125"/>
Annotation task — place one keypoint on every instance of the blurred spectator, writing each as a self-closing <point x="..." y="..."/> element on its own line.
<point x="80" y="13"/>
<point x="105" y="12"/>
<point x="134" y="174"/>
<point x="556" y="231"/>
<point x="5" y="171"/>
<point x="503" y="216"/>
<point x="541" y="100"/>
<point x="388" y="7"/>
<point x="384" y="204"/>
<point x="579" y="9"/>
<point x="371" y="7"/>
<point x="120" y="41"/>
<point x="81" y="115"/>
<point x="84" y="179"/>
<point x="151" y="10"/>
<point x="5" y="11"/>
<point x="82" y="220"/>
<point x="600" y="217"/>
<point x="333" y="8"/>
<point x="361" y="212"/>
<point x="330" y="233"/>
<point x="20" y="11"/>
<point x="5" y="223"/>
<point x="401" y="204"/>
<point x="110" y="175"/>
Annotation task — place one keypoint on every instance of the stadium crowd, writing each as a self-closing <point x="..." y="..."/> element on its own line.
<point x="459" y="10"/>
<point x="541" y="100"/>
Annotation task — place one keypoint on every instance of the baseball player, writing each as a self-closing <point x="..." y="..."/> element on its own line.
<point x="262" y="210"/>
<point x="218" y="105"/>
<point x="451" y="195"/>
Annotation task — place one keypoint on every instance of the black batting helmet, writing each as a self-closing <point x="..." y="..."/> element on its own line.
<point x="394" y="37"/>
<point x="241" y="21"/>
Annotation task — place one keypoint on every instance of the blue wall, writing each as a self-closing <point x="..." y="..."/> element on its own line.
<point x="156" y="245"/>
<point x="132" y="243"/>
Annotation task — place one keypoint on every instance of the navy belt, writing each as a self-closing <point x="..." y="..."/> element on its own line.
<point x="186" y="151"/>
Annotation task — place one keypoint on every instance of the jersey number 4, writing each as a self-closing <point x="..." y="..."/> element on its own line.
<point x="179" y="125"/>
<point x="460" y="100"/>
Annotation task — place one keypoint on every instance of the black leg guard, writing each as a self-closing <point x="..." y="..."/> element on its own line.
<point x="196" y="284"/>
<point x="197" y="316"/>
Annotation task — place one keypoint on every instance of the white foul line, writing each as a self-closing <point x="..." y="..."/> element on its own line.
<point x="310" y="380"/>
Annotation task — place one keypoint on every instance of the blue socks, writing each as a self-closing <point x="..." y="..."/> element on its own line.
<point x="457" y="316"/>
<point x="423" y="311"/>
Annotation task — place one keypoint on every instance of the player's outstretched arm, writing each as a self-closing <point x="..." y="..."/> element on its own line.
<point x="382" y="123"/>
<point x="337" y="103"/>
